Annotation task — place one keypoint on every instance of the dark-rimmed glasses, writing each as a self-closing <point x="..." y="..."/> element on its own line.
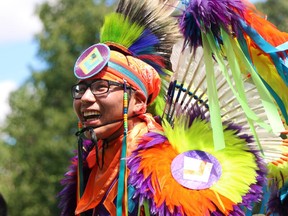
<point x="97" y="87"/>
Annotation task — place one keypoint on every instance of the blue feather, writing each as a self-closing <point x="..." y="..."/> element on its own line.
<point x="145" y="43"/>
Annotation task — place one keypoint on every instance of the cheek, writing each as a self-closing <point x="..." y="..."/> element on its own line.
<point x="116" y="107"/>
<point x="113" y="105"/>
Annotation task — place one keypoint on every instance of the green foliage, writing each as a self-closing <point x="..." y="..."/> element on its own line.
<point x="38" y="137"/>
<point x="276" y="12"/>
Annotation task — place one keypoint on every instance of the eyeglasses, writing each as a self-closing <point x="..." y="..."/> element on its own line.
<point x="97" y="87"/>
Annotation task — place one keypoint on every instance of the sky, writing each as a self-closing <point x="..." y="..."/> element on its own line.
<point x="18" y="25"/>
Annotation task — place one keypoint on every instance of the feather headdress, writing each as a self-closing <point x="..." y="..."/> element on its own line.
<point x="144" y="29"/>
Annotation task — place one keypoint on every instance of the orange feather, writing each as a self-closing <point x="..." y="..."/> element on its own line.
<point x="156" y="163"/>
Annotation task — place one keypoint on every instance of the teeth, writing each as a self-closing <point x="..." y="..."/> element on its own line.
<point x="89" y="113"/>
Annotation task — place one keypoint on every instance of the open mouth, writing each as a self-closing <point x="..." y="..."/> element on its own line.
<point x="91" y="115"/>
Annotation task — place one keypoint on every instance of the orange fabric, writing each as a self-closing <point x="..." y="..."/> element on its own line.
<point x="100" y="180"/>
<point x="105" y="74"/>
<point x="145" y="73"/>
<point x="149" y="74"/>
<point x="109" y="201"/>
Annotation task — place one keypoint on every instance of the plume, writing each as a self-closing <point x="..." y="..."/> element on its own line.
<point x="236" y="26"/>
<point x="144" y="29"/>
<point x="150" y="169"/>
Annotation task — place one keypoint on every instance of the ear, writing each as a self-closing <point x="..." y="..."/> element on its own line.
<point x="139" y="103"/>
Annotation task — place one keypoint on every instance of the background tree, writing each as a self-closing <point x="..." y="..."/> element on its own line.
<point x="40" y="129"/>
<point x="276" y="12"/>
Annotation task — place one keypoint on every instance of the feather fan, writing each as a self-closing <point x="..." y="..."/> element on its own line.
<point x="242" y="169"/>
<point x="233" y="64"/>
<point x="240" y="107"/>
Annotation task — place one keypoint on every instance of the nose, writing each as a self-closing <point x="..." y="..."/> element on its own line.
<point x="88" y="96"/>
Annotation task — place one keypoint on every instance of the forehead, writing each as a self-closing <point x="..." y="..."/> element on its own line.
<point x="87" y="81"/>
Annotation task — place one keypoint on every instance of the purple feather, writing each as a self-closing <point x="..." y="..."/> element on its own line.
<point x="197" y="112"/>
<point x="203" y="15"/>
<point x="278" y="202"/>
<point x="67" y="196"/>
<point x="143" y="186"/>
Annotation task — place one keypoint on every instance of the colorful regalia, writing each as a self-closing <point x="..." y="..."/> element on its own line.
<point x="217" y="144"/>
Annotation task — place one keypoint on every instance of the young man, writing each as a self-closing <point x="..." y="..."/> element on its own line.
<point x="99" y="102"/>
<point x="129" y="163"/>
<point x="110" y="99"/>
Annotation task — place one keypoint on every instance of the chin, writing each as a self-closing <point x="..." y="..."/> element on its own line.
<point x="109" y="132"/>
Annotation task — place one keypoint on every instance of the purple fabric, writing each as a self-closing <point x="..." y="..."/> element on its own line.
<point x="177" y="168"/>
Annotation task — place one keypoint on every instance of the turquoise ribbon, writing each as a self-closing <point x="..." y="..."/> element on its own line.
<point x="121" y="179"/>
<point x="122" y="168"/>
<point x="281" y="66"/>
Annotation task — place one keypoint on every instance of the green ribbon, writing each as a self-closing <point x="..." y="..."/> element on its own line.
<point x="146" y="208"/>
<point x="241" y="95"/>
<point x="270" y="108"/>
<point x="214" y="107"/>
<point x="232" y="48"/>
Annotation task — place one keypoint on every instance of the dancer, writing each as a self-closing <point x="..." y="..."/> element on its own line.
<point x="204" y="147"/>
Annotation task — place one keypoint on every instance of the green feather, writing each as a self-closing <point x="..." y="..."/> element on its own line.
<point x="238" y="163"/>
<point x="120" y="30"/>
<point x="158" y="106"/>
<point x="277" y="172"/>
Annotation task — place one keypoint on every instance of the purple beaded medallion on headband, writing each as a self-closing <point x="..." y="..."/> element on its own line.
<point x="92" y="61"/>
<point x="196" y="169"/>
